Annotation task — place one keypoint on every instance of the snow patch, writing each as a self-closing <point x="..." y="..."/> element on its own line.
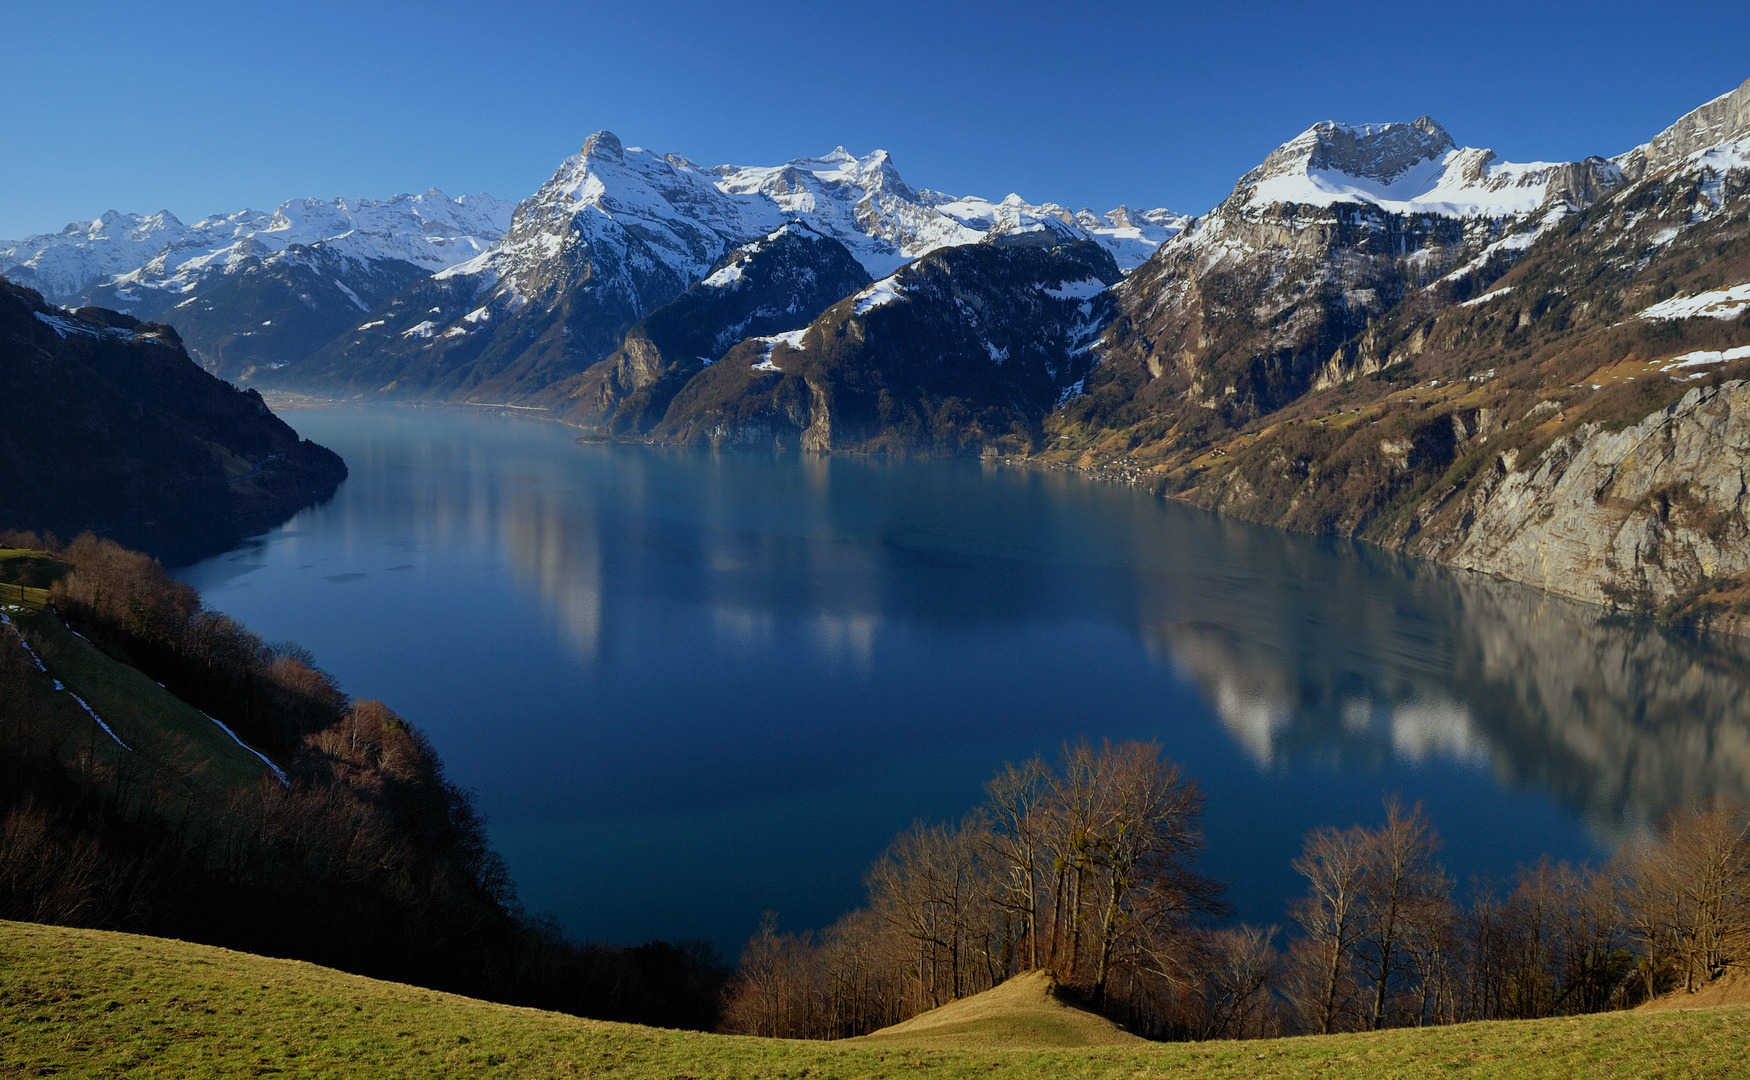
<point x="885" y="291"/>
<point x="792" y="339"/>
<point x="725" y="277"/>
<point x="1076" y="290"/>
<point x="1488" y="296"/>
<point x="1703" y="357"/>
<point x="1717" y="304"/>
<point x="423" y="330"/>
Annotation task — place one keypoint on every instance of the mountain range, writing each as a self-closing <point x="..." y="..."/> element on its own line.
<point x="1528" y="369"/>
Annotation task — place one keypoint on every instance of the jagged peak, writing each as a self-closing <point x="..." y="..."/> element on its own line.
<point x="603" y="144"/>
<point x="1379" y="152"/>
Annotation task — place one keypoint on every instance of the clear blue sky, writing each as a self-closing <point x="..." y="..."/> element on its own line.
<point x="207" y="107"/>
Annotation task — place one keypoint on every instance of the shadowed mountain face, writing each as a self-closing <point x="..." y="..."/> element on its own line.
<point x="774" y="285"/>
<point x="107" y="425"/>
<point x="965" y="350"/>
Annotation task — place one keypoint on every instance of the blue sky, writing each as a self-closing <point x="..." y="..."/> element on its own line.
<point x="207" y="107"/>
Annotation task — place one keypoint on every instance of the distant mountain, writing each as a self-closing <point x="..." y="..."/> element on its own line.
<point x="254" y="291"/>
<point x="619" y="232"/>
<point x="107" y="425"/>
<point x="964" y="350"/>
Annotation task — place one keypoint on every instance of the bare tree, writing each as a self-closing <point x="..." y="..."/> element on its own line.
<point x="1399" y="879"/>
<point x="1331" y="916"/>
<point x="1687" y="894"/>
<point x="1240" y="968"/>
<point x="1017" y="838"/>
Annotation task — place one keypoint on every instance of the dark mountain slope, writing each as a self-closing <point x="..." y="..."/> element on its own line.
<point x="963" y="351"/>
<point x="774" y="285"/>
<point x="107" y="425"/>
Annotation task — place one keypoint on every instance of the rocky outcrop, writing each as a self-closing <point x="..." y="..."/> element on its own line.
<point x="1269" y="296"/>
<point x="1637" y="516"/>
<point x="1724" y="119"/>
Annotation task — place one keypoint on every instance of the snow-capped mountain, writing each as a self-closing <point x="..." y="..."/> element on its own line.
<point x="1413" y="168"/>
<point x="1541" y="372"/>
<point x="617" y="232"/>
<point x="134" y="255"/>
<point x="1251" y="306"/>
<point x="775" y="285"/>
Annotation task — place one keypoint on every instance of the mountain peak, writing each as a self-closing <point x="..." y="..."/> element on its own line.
<point x="604" y="144"/>
<point x="1403" y="168"/>
<point x="1380" y="152"/>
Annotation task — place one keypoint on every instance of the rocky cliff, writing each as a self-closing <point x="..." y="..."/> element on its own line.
<point x="963" y="351"/>
<point x="1638" y="515"/>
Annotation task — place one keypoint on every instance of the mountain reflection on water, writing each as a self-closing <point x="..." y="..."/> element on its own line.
<point x="688" y="688"/>
<point x="1619" y="720"/>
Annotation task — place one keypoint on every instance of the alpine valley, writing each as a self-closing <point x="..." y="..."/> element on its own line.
<point x="1536" y="370"/>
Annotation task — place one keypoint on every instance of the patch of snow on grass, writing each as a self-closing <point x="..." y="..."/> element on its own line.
<point x="1703" y="357"/>
<point x="723" y="278"/>
<point x="1486" y="297"/>
<point x="1717" y="304"/>
<point x="423" y="330"/>
<point x="792" y="339"/>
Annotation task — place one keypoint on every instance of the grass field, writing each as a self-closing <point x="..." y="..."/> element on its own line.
<point x="153" y="722"/>
<point x="150" y="719"/>
<point x="85" y="1003"/>
<point x="30" y="569"/>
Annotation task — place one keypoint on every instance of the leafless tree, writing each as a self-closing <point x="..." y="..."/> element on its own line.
<point x="1687" y="894"/>
<point x="1335" y="863"/>
<point x="1399" y="881"/>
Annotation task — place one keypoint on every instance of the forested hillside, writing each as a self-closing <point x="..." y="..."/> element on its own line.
<point x="165" y="771"/>
<point x="107" y="426"/>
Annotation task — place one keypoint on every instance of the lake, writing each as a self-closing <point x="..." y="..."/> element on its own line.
<point x="690" y="688"/>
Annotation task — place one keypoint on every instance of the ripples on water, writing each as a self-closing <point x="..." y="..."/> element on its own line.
<point x="688" y="688"/>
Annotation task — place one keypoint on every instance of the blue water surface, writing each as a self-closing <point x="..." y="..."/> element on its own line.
<point x="688" y="688"/>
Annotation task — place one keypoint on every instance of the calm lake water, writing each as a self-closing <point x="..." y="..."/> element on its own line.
<point x="689" y="688"/>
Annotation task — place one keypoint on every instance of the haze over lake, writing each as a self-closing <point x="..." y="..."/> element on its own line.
<point x="688" y="688"/>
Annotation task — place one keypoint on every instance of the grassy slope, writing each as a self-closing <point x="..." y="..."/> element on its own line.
<point x="91" y="1003"/>
<point x="1025" y="1011"/>
<point x="151" y="720"/>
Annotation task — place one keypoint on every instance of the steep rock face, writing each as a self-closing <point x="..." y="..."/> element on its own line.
<point x="107" y="425"/>
<point x="1250" y="308"/>
<point x="964" y="350"/>
<point x="1654" y="509"/>
<point x="777" y="284"/>
<point x="1724" y="120"/>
